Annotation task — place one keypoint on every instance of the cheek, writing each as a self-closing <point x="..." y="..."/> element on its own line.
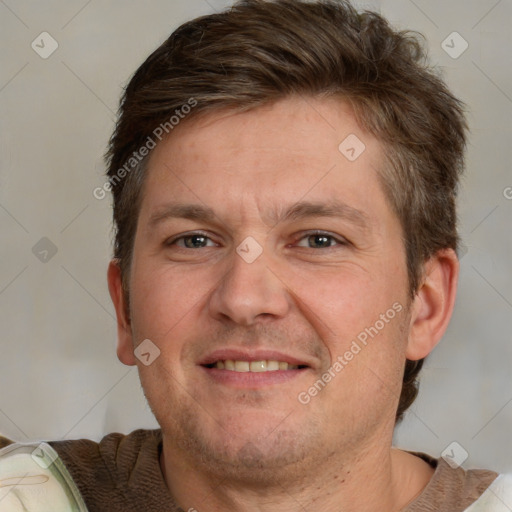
<point x="367" y="374"/>
<point x="345" y="301"/>
<point x="164" y="298"/>
<point x="361" y="320"/>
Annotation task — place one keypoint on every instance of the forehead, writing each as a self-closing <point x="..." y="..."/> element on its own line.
<point x="310" y="127"/>
<point x="285" y="152"/>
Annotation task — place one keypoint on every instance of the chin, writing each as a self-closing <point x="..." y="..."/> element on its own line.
<point x="245" y="450"/>
<point x="256" y="461"/>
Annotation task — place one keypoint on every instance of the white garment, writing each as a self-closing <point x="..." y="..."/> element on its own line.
<point x="34" y="479"/>
<point x="496" y="498"/>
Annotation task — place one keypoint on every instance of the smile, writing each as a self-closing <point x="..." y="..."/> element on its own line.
<point x="254" y="366"/>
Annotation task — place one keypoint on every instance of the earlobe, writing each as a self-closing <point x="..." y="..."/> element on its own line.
<point x="124" y="332"/>
<point x="433" y="306"/>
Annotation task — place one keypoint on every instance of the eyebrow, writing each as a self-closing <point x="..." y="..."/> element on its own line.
<point x="182" y="211"/>
<point x="305" y="209"/>
<point x="297" y="211"/>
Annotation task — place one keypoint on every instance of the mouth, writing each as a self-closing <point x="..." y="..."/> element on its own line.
<point x="243" y="366"/>
<point x="253" y="369"/>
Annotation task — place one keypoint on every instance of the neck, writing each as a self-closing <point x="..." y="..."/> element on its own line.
<point x="371" y="481"/>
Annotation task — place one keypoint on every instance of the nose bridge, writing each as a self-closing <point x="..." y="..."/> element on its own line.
<point x="249" y="288"/>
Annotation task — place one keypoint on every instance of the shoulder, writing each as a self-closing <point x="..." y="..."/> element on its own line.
<point x="452" y="488"/>
<point x="110" y="471"/>
<point x="497" y="497"/>
<point x="32" y="477"/>
<point x="89" y="472"/>
<point x="110" y="459"/>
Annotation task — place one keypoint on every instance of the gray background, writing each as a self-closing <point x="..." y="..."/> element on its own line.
<point x="59" y="375"/>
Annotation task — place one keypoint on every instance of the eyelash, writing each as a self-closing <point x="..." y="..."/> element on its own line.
<point x="339" y="240"/>
<point x="183" y="237"/>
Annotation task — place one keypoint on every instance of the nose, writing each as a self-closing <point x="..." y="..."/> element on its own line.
<point x="249" y="293"/>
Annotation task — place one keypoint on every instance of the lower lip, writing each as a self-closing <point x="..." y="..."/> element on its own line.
<point x="251" y="379"/>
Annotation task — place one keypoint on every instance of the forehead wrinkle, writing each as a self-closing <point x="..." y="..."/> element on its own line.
<point x="331" y="208"/>
<point x="298" y="211"/>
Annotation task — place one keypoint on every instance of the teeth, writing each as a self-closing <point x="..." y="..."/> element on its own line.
<point x="273" y="365"/>
<point x="254" y="366"/>
<point x="242" y="366"/>
<point x="258" y="366"/>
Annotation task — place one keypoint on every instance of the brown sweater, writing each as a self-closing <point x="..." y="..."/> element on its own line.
<point x="122" y="473"/>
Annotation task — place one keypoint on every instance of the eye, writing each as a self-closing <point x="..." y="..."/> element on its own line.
<point x="192" y="241"/>
<point x="320" y="240"/>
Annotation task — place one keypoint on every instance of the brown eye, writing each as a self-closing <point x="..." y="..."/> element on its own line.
<point x="195" y="241"/>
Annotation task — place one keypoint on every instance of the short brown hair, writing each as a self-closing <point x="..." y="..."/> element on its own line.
<point x="260" y="51"/>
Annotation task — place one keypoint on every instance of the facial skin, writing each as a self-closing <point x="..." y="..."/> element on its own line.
<point x="244" y="441"/>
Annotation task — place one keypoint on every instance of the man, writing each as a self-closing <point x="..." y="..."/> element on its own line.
<point x="284" y="178"/>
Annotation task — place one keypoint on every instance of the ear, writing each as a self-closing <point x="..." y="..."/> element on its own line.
<point x="433" y="305"/>
<point x="124" y="331"/>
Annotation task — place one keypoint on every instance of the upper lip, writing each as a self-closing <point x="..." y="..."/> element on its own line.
<point x="252" y="355"/>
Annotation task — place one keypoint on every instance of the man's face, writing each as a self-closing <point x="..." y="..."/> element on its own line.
<point x="258" y="239"/>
